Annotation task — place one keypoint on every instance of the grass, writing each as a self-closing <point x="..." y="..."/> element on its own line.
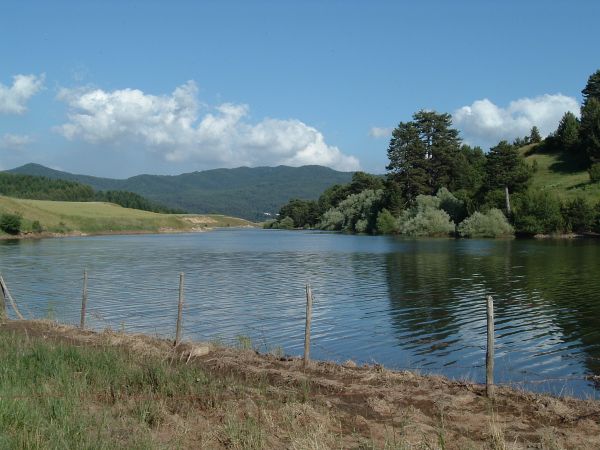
<point x="62" y="396"/>
<point x="97" y="217"/>
<point x="63" y="388"/>
<point x="561" y="174"/>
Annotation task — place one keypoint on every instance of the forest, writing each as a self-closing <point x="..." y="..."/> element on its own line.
<point x="44" y="188"/>
<point x="436" y="185"/>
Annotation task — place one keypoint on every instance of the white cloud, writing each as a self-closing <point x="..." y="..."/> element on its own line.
<point x="484" y="123"/>
<point x="13" y="99"/>
<point x="14" y="141"/>
<point x="174" y="126"/>
<point x="380" y="132"/>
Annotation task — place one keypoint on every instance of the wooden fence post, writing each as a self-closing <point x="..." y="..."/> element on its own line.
<point x="6" y="293"/>
<point x="309" y="301"/>
<point x="84" y="297"/>
<point x="179" y="311"/>
<point x="3" y="313"/>
<point x="489" y="356"/>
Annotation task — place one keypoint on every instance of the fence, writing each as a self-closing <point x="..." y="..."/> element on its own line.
<point x="176" y="310"/>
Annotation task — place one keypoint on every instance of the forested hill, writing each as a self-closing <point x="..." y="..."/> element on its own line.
<point x="242" y="192"/>
<point x="35" y="187"/>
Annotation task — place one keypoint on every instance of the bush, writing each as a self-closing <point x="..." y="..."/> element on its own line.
<point x="579" y="215"/>
<point x="287" y="223"/>
<point x="357" y="213"/>
<point x="10" y="223"/>
<point x="386" y="223"/>
<point x="36" y="226"/>
<point x="538" y="212"/>
<point x="594" y="172"/>
<point x="425" y="221"/>
<point x="491" y="224"/>
<point x="453" y="206"/>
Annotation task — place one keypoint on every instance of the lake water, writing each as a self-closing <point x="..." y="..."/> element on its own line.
<point x="407" y="304"/>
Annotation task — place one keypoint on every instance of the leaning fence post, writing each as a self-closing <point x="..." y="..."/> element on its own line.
<point x="84" y="297"/>
<point x="179" y="311"/>
<point x="6" y="293"/>
<point x="3" y="313"/>
<point x="309" y="301"/>
<point x="489" y="356"/>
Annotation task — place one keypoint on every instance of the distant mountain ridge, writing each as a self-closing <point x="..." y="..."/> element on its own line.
<point x="242" y="192"/>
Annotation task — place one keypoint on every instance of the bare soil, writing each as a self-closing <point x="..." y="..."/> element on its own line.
<point x="345" y="406"/>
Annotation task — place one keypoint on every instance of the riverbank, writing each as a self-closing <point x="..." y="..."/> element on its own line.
<point x="74" y="388"/>
<point x="43" y="219"/>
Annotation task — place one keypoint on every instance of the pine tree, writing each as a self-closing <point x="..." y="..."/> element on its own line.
<point x="592" y="88"/>
<point x="409" y="164"/>
<point x="567" y="133"/>
<point x="534" y="135"/>
<point x="442" y="145"/>
<point x="505" y="168"/>
<point x="590" y="128"/>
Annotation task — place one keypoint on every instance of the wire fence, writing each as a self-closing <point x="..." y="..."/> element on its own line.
<point x="138" y="302"/>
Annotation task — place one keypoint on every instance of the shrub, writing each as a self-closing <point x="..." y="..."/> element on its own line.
<point x="287" y="223"/>
<point x="386" y="223"/>
<point x="491" y="224"/>
<point x="425" y="221"/>
<point x="594" y="172"/>
<point x="538" y="212"/>
<point x="333" y="219"/>
<point x="10" y="223"/>
<point x="453" y="206"/>
<point x="357" y="213"/>
<point x="36" y="226"/>
<point x="579" y="215"/>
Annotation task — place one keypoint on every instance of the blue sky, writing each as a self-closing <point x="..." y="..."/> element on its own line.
<point x="117" y="88"/>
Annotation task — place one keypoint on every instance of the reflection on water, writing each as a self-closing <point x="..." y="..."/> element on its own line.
<point x="416" y="304"/>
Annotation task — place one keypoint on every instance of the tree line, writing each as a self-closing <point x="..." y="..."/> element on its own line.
<point x="43" y="188"/>
<point x="436" y="185"/>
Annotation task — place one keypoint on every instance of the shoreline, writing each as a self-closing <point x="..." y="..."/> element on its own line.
<point x="349" y="404"/>
<point x="52" y="235"/>
<point x="49" y="235"/>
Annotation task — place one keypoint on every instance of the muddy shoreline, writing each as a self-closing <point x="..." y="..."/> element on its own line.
<point x="371" y="402"/>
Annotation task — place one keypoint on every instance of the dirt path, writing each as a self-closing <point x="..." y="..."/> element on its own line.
<point x="385" y="408"/>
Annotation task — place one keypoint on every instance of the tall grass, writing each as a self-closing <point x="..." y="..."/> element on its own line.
<point x="58" y="396"/>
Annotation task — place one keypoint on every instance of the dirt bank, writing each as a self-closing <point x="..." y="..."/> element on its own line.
<point x="344" y="406"/>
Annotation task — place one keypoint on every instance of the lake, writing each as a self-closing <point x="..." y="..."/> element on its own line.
<point x="406" y="304"/>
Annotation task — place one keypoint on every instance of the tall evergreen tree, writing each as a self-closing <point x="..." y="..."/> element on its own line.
<point x="534" y="135"/>
<point x="423" y="154"/>
<point x="409" y="162"/>
<point x="469" y="165"/>
<point x="590" y="128"/>
<point x="442" y="146"/>
<point x="567" y="133"/>
<point x="506" y="168"/>
<point x="592" y="88"/>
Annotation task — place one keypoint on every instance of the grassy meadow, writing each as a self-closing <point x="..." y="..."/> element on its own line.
<point x="97" y="217"/>
<point x="560" y="174"/>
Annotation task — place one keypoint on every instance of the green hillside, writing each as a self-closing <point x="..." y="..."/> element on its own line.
<point x="560" y="173"/>
<point x="98" y="217"/>
<point x="242" y="192"/>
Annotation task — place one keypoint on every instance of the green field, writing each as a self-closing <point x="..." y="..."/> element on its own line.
<point x="561" y="174"/>
<point x="94" y="217"/>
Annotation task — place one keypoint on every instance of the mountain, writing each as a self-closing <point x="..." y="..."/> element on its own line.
<point x="242" y="192"/>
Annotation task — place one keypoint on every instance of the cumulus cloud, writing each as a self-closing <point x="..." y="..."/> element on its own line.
<point x="380" y="132"/>
<point x="13" y="99"/>
<point x="14" y="141"/>
<point x="484" y="123"/>
<point x="180" y="130"/>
